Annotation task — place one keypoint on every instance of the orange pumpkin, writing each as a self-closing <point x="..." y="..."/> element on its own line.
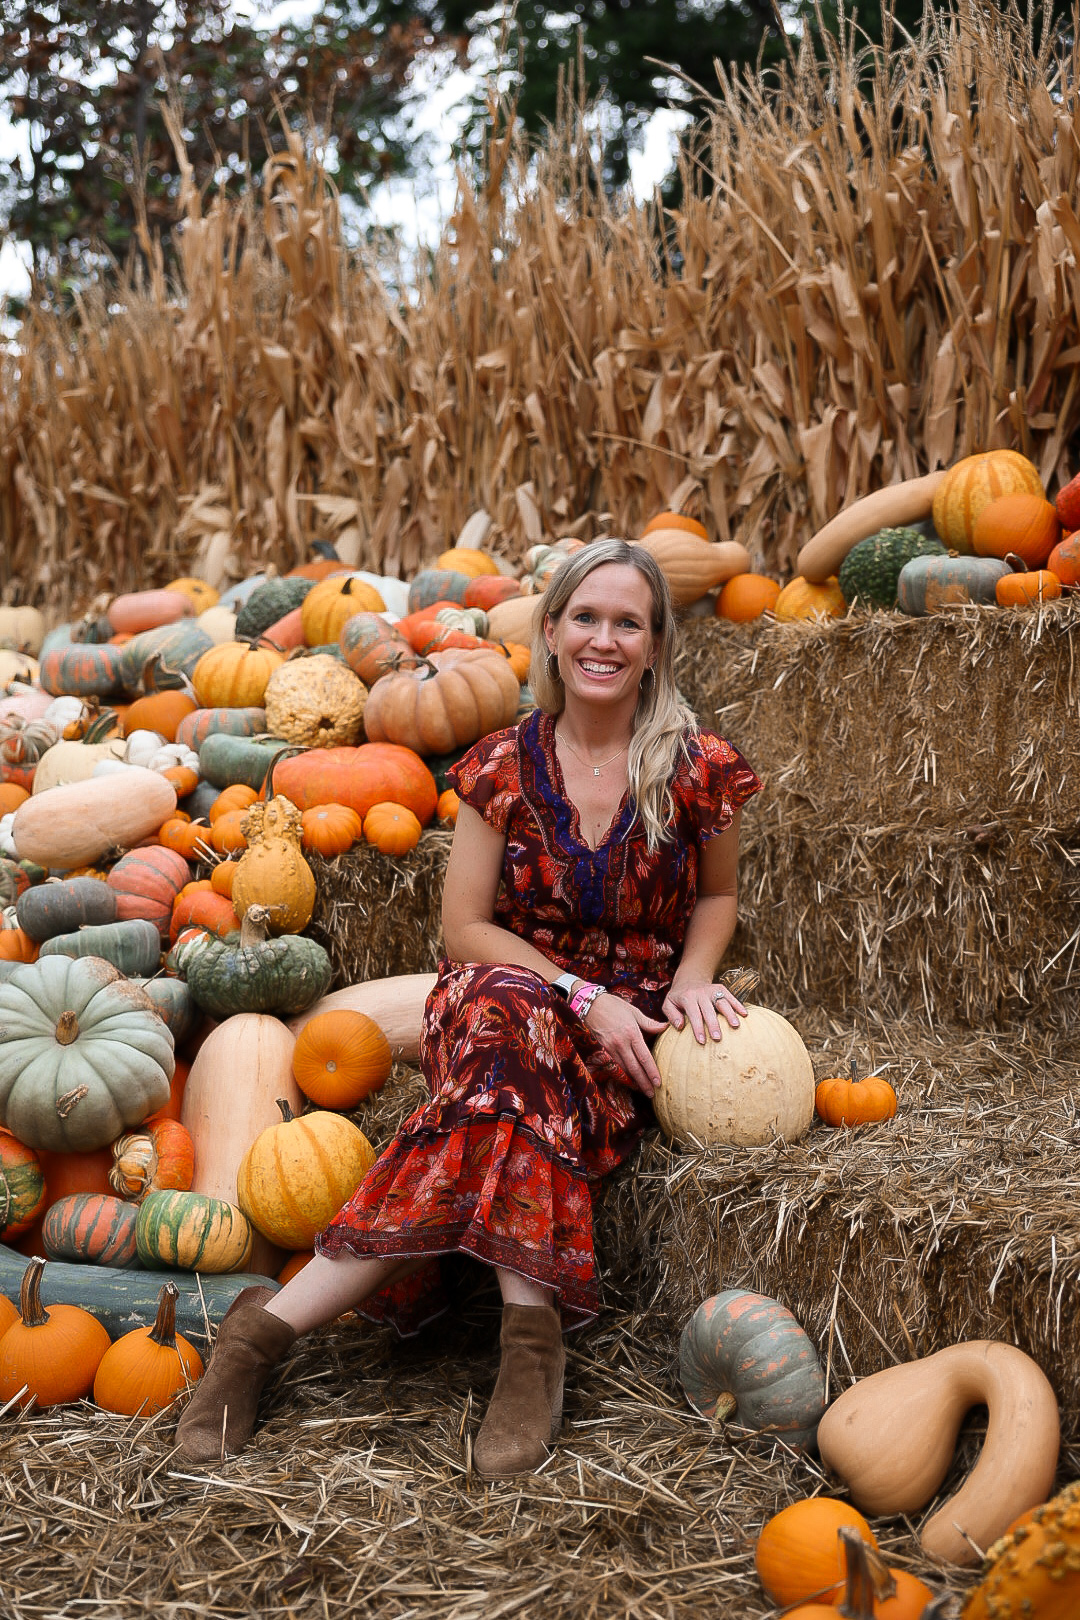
<point x="159" y="1155"/>
<point x="237" y="797"/>
<point x="11" y="796"/>
<point x="448" y="702"/>
<point x="675" y="520"/>
<point x="147" y="1369"/>
<point x="223" y="877"/>
<point x="295" y="1262"/>
<point x="203" y="909"/>
<point x="801" y="600"/>
<point x="358" y="777"/>
<point x="159" y="711"/>
<point x="331" y="603"/>
<point x="1064" y="560"/>
<point x="227" y="832"/>
<point x="234" y="675"/>
<point x="330" y="829"/>
<point x="146" y="883"/>
<point x="184" y="836"/>
<point x="447" y="808"/>
<point x="487" y="590"/>
<point x="972" y="483"/>
<point x="171" y="1109"/>
<point x="799" y="1555"/>
<point x="851" y="1101"/>
<point x="1027" y="588"/>
<point x="746" y="597"/>
<point x="17" y="946"/>
<point x="49" y="1356"/>
<point x="392" y="828"/>
<point x="1022" y="525"/>
<point x="340" y="1058"/>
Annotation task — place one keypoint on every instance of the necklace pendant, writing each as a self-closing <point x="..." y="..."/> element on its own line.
<point x="596" y="770"/>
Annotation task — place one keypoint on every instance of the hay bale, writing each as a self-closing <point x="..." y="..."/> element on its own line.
<point x="378" y="916"/>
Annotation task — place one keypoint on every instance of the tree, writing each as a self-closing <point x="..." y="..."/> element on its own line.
<point x="84" y="83"/>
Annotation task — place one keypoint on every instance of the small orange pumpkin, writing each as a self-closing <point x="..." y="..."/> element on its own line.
<point x="160" y="1155"/>
<point x="447" y="808"/>
<point x="237" y="797"/>
<point x="223" y="877"/>
<point x="1064" y="560"/>
<point x="799" y="1554"/>
<point x="330" y="829"/>
<point x="1027" y="588"/>
<point x="747" y="596"/>
<point x="11" y="796"/>
<point x="159" y="711"/>
<point x="801" y="600"/>
<point x="340" y="1058"/>
<point x="184" y="836"/>
<point x="227" y="833"/>
<point x="852" y="1101"/>
<point x="392" y="828"/>
<point x="146" y="1369"/>
<point x="49" y="1356"/>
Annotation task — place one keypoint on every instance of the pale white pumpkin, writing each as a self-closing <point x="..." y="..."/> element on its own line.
<point x="754" y="1084"/>
<point x="22" y="628"/>
<point x="67" y="762"/>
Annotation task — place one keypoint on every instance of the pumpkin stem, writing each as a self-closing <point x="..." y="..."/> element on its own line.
<point x="67" y="1028"/>
<point x="725" y="1405"/>
<point x="31" y="1309"/>
<point x="867" y="1576"/>
<point x="287" y="1114"/>
<point x="163" y="1331"/>
<point x="853" y="1070"/>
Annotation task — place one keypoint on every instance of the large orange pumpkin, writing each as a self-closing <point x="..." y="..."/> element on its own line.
<point x="1021" y="525"/>
<point x="971" y="484"/>
<point x="451" y="700"/>
<point x="49" y="1356"/>
<point x="358" y="777"/>
<point x="340" y="1058"/>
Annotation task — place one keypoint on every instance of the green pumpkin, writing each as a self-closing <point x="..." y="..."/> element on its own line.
<point x="59" y="908"/>
<point x="247" y="972"/>
<point x="133" y="946"/>
<point x="173" y="1000"/>
<point x="871" y="569"/>
<point x="928" y="584"/>
<point x="84" y="1054"/>
<point x="83" y="671"/>
<point x="226" y="760"/>
<point x="437" y="585"/>
<point x="268" y="603"/>
<point x="163" y="658"/>
<point x="744" y="1354"/>
<point x="189" y="1231"/>
<point x="195" y="727"/>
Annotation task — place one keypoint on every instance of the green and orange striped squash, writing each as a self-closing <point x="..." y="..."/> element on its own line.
<point x="81" y="670"/>
<point x="22" y="1186"/>
<point x="90" y="1228"/>
<point x="195" y="727"/>
<point x="373" y="648"/>
<point x="743" y="1354"/>
<point x="190" y="1231"/>
<point x="146" y="883"/>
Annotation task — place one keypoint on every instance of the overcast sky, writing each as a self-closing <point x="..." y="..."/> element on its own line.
<point x="416" y="207"/>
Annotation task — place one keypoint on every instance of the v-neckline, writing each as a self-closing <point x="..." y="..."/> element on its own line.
<point x="558" y="784"/>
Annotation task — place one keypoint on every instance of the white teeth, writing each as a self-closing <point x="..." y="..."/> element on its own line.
<point x="600" y="669"/>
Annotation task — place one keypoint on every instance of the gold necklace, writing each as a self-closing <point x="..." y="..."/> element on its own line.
<point x="596" y="769"/>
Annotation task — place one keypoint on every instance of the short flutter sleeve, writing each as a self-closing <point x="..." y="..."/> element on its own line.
<point x="488" y="777"/>
<point x="716" y="781"/>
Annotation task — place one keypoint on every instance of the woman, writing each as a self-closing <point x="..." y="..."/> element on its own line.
<point x="589" y="897"/>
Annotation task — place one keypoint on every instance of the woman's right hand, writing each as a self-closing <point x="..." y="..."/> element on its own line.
<point x="623" y="1031"/>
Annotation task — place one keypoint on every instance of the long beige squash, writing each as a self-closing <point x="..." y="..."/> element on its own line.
<point x="891" y="1438"/>
<point x="396" y="1004"/>
<point x="239" y="1072"/>
<point x="692" y="566"/>
<point x="888" y="508"/>
<point x="79" y="822"/>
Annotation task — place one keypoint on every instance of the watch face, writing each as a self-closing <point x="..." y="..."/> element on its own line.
<point x="564" y="984"/>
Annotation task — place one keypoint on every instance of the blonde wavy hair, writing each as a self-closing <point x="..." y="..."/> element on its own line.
<point x="662" y="721"/>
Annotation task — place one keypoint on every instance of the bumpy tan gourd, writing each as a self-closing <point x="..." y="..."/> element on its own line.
<point x="317" y="702"/>
<point x="891" y="1439"/>
<point x="272" y="871"/>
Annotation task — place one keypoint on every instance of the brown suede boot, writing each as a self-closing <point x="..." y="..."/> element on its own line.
<point x="526" y="1409"/>
<point x="218" y="1419"/>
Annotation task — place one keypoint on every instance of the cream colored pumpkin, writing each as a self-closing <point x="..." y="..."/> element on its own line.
<point x="17" y="666"/>
<point x="754" y="1084"/>
<point x="79" y="822"/>
<point x="316" y="702"/>
<point x="514" y="620"/>
<point x="73" y="762"/>
<point x="22" y="628"/>
<point x="219" y="623"/>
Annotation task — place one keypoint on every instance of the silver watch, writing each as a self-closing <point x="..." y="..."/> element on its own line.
<point x="565" y="983"/>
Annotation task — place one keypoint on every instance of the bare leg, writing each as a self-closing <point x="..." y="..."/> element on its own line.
<point x="518" y="1290"/>
<point x="325" y="1289"/>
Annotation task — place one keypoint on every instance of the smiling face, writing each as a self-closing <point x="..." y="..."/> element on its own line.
<point x="604" y="637"/>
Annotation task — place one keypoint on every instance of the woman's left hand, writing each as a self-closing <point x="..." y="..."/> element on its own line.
<point x="701" y="1006"/>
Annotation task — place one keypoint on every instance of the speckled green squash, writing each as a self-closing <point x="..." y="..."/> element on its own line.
<point x="871" y="569"/>
<point x="744" y="1354"/>
<point x="268" y="603"/>
<point x="155" y="659"/>
<point x="284" y="975"/>
<point x="188" y="1231"/>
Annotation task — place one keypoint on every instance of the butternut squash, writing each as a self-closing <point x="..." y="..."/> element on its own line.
<point x="888" y="508"/>
<point x="891" y="1439"/>
<point x="395" y="1004"/>
<point x="692" y="566"/>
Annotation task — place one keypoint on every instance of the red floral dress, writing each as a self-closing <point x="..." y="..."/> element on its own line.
<point x="527" y="1108"/>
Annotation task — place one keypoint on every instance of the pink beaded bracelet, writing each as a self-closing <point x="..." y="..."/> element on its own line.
<point x="584" y="996"/>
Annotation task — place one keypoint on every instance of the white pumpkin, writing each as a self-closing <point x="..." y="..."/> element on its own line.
<point x="68" y="762"/>
<point x="219" y="623"/>
<point x="22" y="628"/>
<point x="754" y="1084"/>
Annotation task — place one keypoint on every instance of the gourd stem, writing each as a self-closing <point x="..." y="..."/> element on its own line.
<point x="253" y="927"/>
<point x="163" y="1331"/>
<point x="287" y="1114"/>
<point x="67" y="1028"/>
<point x="853" y="1069"/>
<point x="866" y="1577"/>
<point x="31" y="1309"/>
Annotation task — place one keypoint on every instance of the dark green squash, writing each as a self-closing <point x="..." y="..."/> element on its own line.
<point x="163" y="658"/>
<point x="871" y="568"/>
<point x="226" y="760"/>
<point x="173" y="1000"/>
<point x="123" y="1299"/>
<point x="268" y="603"/>
<point x="50" y="909"/>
